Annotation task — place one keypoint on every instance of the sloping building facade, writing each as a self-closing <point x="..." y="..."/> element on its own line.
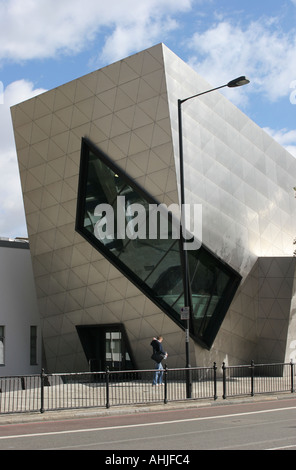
<point x="112" y="136"/>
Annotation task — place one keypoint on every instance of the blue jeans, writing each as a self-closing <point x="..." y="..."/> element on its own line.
<point x="157" y="379"/>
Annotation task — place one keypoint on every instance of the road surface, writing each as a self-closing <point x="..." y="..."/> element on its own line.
<point x="261" y="425"/>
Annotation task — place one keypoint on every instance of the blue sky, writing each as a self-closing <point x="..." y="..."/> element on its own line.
<point x="45" y="43"/>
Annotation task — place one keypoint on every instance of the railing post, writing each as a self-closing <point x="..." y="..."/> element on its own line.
<point x="292" y="375"/>
<point x="224" y="380"/>
<point x="215" y="381"/>
<point x="42" y="377"/>
<point x="165" y="383"/>
<point x="107" y="387"/>
<point x="252" y="378"/>
<point x="23" y="383"/>
<point x="188" y="381"/>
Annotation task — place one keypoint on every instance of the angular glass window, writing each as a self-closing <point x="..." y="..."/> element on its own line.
<point x="142" y="239"/>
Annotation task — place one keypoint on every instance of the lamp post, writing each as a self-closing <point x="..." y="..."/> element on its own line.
<point x="240" y="81"/>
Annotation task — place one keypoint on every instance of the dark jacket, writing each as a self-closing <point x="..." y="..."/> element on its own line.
<point x="157" y="346"/>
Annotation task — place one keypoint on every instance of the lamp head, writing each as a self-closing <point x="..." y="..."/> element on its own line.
<point x="240" y="81"/>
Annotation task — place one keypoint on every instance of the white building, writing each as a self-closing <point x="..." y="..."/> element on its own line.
<point x="20" y="332"/>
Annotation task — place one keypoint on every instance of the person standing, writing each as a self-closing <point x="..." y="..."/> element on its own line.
<point x="158" y="349"/>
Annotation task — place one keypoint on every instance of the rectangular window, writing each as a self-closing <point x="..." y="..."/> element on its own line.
<point x="33" y="345"/>
<point x="2" y="345"/>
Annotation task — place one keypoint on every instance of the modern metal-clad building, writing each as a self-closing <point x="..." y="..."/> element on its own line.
<point x="99" y="159"/>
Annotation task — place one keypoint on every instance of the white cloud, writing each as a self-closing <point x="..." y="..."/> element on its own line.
<point x="286" y="138"/>
<point x="14" y="93"/>
<point x="259" y="50"/>
<point x="12" y="219"/>
<point x="126" y="38"/>
<point x="43" y="28"/>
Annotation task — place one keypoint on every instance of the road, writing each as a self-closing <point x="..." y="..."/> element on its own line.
<point x="260" y="425"/>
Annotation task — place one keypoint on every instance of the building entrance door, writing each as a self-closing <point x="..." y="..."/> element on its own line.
<point x="105" y="346"/>
<point x="114" y="354"/>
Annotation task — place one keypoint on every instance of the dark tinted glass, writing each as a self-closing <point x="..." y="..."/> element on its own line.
<point x="124" y="223"/>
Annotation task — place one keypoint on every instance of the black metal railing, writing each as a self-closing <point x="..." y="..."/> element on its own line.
<point x="19" y="394"/>
<point x="258" y="379"/>
<point x="49" y="392"/>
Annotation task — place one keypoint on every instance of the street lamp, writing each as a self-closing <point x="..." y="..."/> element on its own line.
<point x="239" y="81"/>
